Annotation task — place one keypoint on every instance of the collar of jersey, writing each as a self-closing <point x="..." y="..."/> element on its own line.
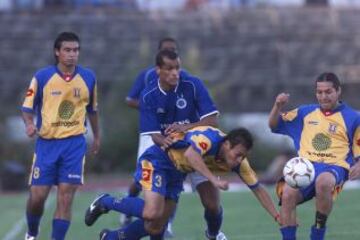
<point x="163" y="91"/>
<point x="62" y="75"/>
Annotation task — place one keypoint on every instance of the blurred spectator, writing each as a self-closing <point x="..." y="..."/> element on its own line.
<point x="317" y="2"/>
<point x="275" y="170"/>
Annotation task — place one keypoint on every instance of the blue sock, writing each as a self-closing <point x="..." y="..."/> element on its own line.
<point x="33" y="222"/>
<point x="59" y="229"/>
<point x="135" y="230"/>
<point x="288" y="233"/>
<point x="213" y="222"/>
<point x="132" y="206"/>
<point x="317" y="233"/>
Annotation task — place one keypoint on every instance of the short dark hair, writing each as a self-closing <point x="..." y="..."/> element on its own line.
<point x="167" y="39"/>
<point x="65" y="36"/>
<point x="165" y="54"/>
<point x="240" y="136"/>
<point x="329" y="77"/>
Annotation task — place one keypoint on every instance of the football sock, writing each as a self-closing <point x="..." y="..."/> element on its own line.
<point x="288" y="233"/>
<point x="213" y="221"/>
<point x="320" y="220"/>
<point x="132" y="206"/>
<point x="33" y="222"/>
<point x="317" y="233"/>
<point x="59" y="229"/>
<point x="135" y="230"/>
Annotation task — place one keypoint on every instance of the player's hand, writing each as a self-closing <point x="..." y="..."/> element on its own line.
<point x="221" y="184"/>
<point x="30" y="130"/>
<point x="282" y="99"/>
<point x="354" y="172"/>
<point x="95" y="146"/>
<point x="167" y="142"/>
<point x="178" y="128"/>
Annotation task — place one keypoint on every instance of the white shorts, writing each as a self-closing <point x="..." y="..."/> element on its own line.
<point x="195" y="179"/>
<point x="145" y="141"/>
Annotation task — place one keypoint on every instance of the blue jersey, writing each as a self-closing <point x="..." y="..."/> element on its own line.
<point x="61" y="105"/>
<point x="325" y="137"/>
<point x="188" y="103"/>
<point x="147" y="78"/>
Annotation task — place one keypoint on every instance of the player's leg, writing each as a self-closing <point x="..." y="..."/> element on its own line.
<point x="35" y="209"/>
<point x="328" y="185"/>
<point x="62" y="216"/>
<point x="289" y="199"/>
<point x="210" y="199"/>
<point x="145" y="141"/>
<point x="42" y="177"/>
<point x="70" y="175"/>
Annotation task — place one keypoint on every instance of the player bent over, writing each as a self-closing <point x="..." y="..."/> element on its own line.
<point x="161" y="174"/>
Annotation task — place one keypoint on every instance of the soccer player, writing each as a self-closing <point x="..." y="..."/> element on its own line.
<point x="176" y="103"/>
<point x="59" y="95"/>
<point x="161" y="172"/>
<point x="147" y="79"/>
<point x="327" y="134"/>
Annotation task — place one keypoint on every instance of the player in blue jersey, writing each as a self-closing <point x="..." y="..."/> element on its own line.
<point x="147" y="78"/>
<point x="161" y="173"/>
<point x="59" y="96"/>
<point x="328" y="135"/>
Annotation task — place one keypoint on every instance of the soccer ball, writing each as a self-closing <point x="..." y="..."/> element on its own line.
<point x="299" y="172"/>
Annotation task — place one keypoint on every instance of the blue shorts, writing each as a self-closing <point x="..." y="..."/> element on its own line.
<point x="58" y="161"/>
<point x="155" y="172"/>
<point x="340" y="174"/>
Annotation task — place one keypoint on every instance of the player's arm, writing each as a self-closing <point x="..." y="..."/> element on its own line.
<point x="30" y="127"/>
<point x="264" y="198"/>
<point x="279" y="103"/>
<point x="163" y="141"/>
<point x="94" y="123"/>
<point x="211" y="120"/>
<point x="133" y="103"/>
<point x="197" y="163"/>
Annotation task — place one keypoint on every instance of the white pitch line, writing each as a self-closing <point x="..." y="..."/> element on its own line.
<point x="20" y="224"/>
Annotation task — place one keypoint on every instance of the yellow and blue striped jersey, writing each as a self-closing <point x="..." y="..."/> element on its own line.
<point x="207" y="141"/>
<point x="329" y="137"/>
<point x="60" y="105"/>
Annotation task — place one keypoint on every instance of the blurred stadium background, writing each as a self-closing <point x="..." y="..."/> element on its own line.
<point x="246" y="51"/>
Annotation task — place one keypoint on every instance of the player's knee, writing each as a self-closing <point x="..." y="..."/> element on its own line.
<point x="151" y="214"/>
<point x="288" y="198"/>
<point x="324" y="187"/>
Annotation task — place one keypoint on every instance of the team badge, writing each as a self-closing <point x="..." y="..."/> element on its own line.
<point x="332" y="128"/>
<point x="77" y="92"/>
<point x="321" y="142"/>
<point x="181" y="103"/>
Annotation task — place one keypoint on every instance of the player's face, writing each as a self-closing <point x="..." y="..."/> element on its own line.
<point x="327" y="95"/>
<point x="168" y="45"/>
<point x="68" y="54"/>
<point x="169" y="73"/>
<point x="234" y="155"/>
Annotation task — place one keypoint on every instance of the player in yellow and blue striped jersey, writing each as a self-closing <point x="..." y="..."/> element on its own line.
<point x="328" y="134"/>
<point x="160" y="173"/>
<point x="60" y="96"/>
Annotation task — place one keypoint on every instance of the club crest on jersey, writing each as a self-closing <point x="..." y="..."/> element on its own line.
<point x="181" y="103"/>
<point x="77" y="92"/>
<point x="332" y="128"/>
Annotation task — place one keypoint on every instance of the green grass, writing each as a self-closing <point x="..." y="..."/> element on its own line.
<point x="244" y="218"/>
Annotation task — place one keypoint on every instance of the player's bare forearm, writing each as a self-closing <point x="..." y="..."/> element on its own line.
<point x="133" y="103"/>
<point x="163" y="141"/>
<point x="266" y="201"/>
<point x="279" y="103"/>
<point x="94" y="122"/>
<point x="197" y="163"/>
<point x="30" y="127"/>
<point x="211" y="120"/>
<point x="354" y="172"/>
